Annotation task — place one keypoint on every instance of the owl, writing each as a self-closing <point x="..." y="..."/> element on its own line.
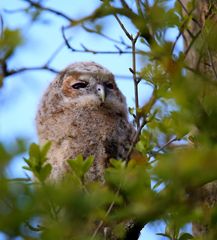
<point x="84" y="112"/>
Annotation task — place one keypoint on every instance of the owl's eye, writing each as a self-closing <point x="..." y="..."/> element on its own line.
<point x="79" y="85"/>
<point x="109" y="85"/>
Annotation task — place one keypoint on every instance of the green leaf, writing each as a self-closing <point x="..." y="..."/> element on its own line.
<point x="34" y="151"/>
<point x="44" y="150"/>
<point x="9" y="41"/>
<point x="131" y="110"/>
<point x="36" y="161"/>
<point x="45" y="172"/>
<point x="117" y="163"/>
<point x="27" y="168"/>
<point x="28" y="162"/>
<point x="76" y="165"/>
<point x="80" y="166"/>
<point x="164" y="235"/>
<point x="87" y="163"/>
<point x="185" y="236"/>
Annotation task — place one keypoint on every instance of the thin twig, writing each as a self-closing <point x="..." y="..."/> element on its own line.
<point x="139" y="8"/>
<point x="125" y="5"/>
<point x="136" y="94"/>
<point x="188" y="13"/>
<point x="38" y="228"/>
<point x="19" y="179"/>
<point x="183" y="6"/>
<point x="123" y="27"/>
<point x="153" y="153"/>
<point x="65" y="38"/>
<point x="107" y="213"/>
<point x="135" y="139"/>
<point x="167" y="144"/>
<point x="191" y="43"/>
<point x="87" y="50"/>
<point x="12" y="72"/>
<point x="190" y="33"/>
<point x="182" y="28"/>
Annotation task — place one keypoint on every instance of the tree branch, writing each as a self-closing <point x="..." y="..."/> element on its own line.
<point x="183" y="7"/>
<point x="135" y="139"/>
<point x="181" y="30"/>
<point x="38" y="228"/>
<point x="19" y="179"/>
<point x="125" y="5"/>
<point x="191" y="43"/>
<point x="188" y="13"/>
<point x="167" y="144"/>
<point x="139" y="8"/>
<point x="153" y="153"/>
<point x="133" y="70"/>
<point x="123" y="27"/>
<point x="135" y="81"/>
<point x="12" y="72"/>
<point x="87" y="50"/>
<point x="107" y="213"/>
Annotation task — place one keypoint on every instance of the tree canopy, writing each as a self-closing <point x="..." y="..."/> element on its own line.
<point x="174" y="152"/>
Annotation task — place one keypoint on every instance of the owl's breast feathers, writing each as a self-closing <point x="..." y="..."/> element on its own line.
<point x="90" y="131"/>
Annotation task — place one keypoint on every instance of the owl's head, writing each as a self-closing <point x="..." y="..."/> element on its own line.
<point x="90" y="84"/>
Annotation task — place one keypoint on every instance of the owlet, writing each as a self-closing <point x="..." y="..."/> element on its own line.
<point x="84" y="112"/>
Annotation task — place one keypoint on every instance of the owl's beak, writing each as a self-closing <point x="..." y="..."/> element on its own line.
<point x="100" y="89"/>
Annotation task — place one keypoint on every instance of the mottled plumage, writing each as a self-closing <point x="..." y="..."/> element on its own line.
<point x="84" y="112"/>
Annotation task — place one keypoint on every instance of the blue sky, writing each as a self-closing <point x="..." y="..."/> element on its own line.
<point x="21" y="93"/>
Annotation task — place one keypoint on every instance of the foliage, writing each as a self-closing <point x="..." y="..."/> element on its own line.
<point x="9" y="41"/>
<point x="175" y="148"/>
<point x="36" y="162"/>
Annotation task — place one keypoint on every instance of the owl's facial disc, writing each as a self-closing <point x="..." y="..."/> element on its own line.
<point x="92" y="90"/>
